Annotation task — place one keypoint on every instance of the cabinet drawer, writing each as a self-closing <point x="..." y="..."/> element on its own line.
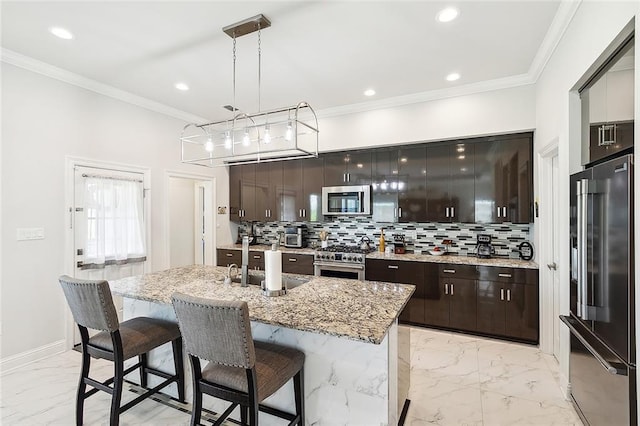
<point x="226" y="257"/>
<point x="508" y="275"/>
<point x="256" y="260"/>
<point x="458" y="271"/>
<point x="297" y="263"/>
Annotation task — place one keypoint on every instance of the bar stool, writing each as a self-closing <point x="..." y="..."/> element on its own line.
<point x="240" y="370"/>
<point x="92" y="308"/>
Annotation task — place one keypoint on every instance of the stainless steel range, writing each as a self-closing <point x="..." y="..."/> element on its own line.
<point x="340" y="261"/>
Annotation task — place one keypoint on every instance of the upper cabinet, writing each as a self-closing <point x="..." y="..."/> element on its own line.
<point x="482" y="180"/>
<point x="300" y="198"/>
<point x="384" y="192"/>
<point x="411" y="183"/>
<point x="450" y="182"/>
<point x="347" y="168"/>
<point x="503" y="183"/>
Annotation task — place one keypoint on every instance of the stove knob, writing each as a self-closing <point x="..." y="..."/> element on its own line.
<point x="359" y="258"/>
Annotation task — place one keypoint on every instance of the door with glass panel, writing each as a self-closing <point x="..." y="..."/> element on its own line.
<point x="109" y="226"/>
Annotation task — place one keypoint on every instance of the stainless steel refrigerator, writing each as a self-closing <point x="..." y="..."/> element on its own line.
<point x="602" y="364"/>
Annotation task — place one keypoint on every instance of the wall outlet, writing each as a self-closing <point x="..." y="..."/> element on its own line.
<point x="25" y="234"/>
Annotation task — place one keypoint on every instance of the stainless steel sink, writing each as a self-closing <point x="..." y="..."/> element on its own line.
<point x="256" y="278"/>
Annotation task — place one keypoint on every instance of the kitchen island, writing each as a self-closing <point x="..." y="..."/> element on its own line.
<point x="357" y="358"/>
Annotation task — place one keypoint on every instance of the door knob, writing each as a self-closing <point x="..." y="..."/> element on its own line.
<point x="552" y="266"/>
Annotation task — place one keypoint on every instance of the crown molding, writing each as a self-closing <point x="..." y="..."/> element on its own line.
<point x="559" y="25"/>
<point x="31" y="64"/>
<point x="432" y="95"/>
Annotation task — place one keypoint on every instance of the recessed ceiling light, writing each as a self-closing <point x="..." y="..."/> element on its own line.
<point x="447" y="15"/>
<point x="453" y="76"/>
<point x="61" y="32"/>
<point x="182" y="86"/>
<point x="369" y="92"/>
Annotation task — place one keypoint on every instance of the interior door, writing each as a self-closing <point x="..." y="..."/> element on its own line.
<point x="553" y="266"/>
<point x="81" y="219"/>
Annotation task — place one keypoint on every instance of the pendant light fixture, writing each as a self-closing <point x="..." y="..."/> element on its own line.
<point x="278" y="134"/>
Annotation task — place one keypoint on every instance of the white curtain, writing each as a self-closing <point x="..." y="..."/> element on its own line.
<point x="115" y="222"/>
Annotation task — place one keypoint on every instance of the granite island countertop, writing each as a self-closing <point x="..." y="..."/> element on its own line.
<point x="356" y="310"/>
<point x="424" y="257"/>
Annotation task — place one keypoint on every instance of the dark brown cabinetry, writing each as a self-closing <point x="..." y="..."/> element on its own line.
<point x="608" y="138"/>
<point x="503" y="169"/>
<point x="384" y="196"/>
<point x="411" y="184"/>
<point x="301" y="195"/>
<point x="297" y="263"/>
<point x="242" y="192"/>
<point x="508" y="302"/>
<point x="347" y="168"/>
<point x="228" y="257"/>
<point x="450" y="182"/>
<point x="401" y="272"/>
<point x="256" y="260"/>
<point x="268" y="191"/>
<point x="459" y="286"/>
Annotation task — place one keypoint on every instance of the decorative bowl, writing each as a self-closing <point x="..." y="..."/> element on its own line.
<point x="437" y="252"/>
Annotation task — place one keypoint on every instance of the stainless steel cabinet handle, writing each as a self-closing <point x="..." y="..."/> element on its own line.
<point x="229" y="255"/>
<point x="452" y="289"/>
<point x="392" y="266"/>
<point x="453" y="212"/>
<point x="504" y="212"/>
<point x="498" y="211"/>
<point x="348" y="177"/>
<point x="605" y="364"/>
<point x="304" y="212"/>
<point x="399" y="212"/>
<point x="508" y="295"/>
<point x="505" y="275"/>
<point x="344" y="177"/>
<point x="449" y="271"/>
<point x="293" y="260"/>
<point x="446" y="212"/>
<point x="502" y="294"/>
<point x="257" y="257"/>
<point x="446" y="289"/>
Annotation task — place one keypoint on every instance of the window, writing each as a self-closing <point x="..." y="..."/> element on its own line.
<point x="115" y="221"/>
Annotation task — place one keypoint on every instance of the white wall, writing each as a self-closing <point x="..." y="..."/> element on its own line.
<point x="181" y="221"/>
<point x="498" y="111"/>
<point x="45" y="120"/>
<point x="592" y="29"/>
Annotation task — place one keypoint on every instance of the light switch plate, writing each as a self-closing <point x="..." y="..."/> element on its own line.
<point x="26" y="234"/>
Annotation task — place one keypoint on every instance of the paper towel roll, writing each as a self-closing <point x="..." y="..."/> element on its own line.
<point x="273" y="270"/>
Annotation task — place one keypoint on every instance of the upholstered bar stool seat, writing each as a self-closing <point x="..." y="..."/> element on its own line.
<point x="139" y="335"/>
<point x="92" y="307"/>
<point x="239" y="370"/>
<point x="275" y="366"/>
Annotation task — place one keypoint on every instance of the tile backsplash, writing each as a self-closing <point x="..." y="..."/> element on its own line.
<point x="418" y="236"/>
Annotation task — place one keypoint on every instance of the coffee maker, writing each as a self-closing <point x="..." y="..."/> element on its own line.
<point x="484" y="249"/>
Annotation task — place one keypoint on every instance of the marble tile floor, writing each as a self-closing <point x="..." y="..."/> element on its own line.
<point x="456" y="379"/>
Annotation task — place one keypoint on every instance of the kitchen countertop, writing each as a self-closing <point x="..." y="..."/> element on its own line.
<point x="356" y="310"/>
<point x="425" y="257"/>
<point x="263" y="247"/>
<point x="459" y="260"/>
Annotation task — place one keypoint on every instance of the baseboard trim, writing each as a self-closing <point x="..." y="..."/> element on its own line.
<point x="13" y="362"/>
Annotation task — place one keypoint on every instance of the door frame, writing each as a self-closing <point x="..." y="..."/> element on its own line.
<point x="548" y="292"/>
<point x="168" y="174"/>
<point x="70" y="163"/>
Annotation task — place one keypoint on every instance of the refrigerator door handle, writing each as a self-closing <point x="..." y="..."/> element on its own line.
<point x="605" y="364"/>
<point x="583" y="199"/>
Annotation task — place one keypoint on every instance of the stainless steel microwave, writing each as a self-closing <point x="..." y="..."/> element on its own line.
<point x="346" y="200"/>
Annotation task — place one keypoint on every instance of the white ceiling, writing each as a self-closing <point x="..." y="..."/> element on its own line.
<point x="326" y="53"/>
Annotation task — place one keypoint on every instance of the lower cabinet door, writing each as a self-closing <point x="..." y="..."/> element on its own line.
<point x="462" y="304"/>
<point x="491" y="307"/>
<point x="522" y="311"/>
<point x="412" y="273"/>
<point x="436" y="302"/>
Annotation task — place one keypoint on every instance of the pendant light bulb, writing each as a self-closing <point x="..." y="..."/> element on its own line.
<point x="289" y="133"/>
<point x="209" y="145"/>
<point x="267" y="135"/>
<point x="227" y="140"/>
<point x="245" y="138"/>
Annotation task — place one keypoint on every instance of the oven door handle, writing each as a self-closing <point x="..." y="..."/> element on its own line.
<point x="339" y="265"/>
